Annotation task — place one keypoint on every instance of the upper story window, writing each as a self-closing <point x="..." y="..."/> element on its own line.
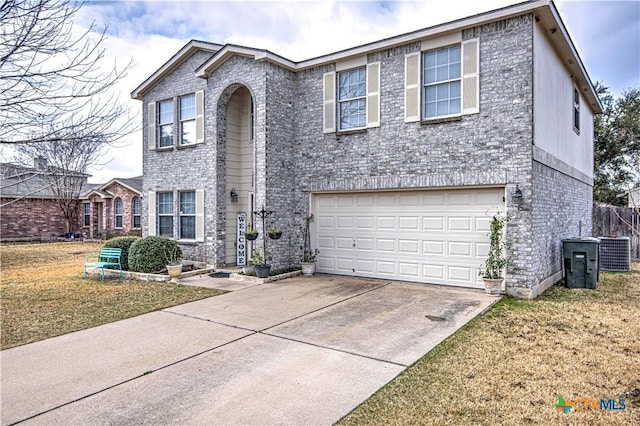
<point x="165" y="214"/>
<point x="351" y="96"/>
<point x="165" y="123"/>
<point x="117" y="209"/>
<point x="576" y="110"/>
<point x="188" y="215"/>
<point x="188" y="119"/>
<point x="135" y="212"/>
<point x="442" y="80"/>
<point x="87" y="214"/>
<point x="441" y="87"/>
<point x="352" y="99"/>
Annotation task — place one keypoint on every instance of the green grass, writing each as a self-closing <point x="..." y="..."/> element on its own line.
<point x="510" y="365"/>
<point x="44" y="294"/>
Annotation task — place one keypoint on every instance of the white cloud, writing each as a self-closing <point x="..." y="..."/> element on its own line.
<point x="150" y="32"/>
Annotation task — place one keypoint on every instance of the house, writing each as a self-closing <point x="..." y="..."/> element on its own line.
<point x="30" y="205"/>
<point x="403" y="149"/>
<point x="113" y="208"/>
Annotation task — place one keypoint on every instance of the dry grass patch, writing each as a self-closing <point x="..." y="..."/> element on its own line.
<point x="510" y="366"/>
<point x="44" y="294"/>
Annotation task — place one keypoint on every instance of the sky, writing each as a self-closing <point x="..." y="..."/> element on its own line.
<point x="605" y="33"/>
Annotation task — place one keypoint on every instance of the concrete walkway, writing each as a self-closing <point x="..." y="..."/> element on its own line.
<point x="300" y="351"/>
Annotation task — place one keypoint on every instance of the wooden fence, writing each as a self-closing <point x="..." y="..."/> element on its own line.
<point x="611" y="221"/>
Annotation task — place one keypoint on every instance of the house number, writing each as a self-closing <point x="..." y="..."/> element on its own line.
<point x="242" y="242"/>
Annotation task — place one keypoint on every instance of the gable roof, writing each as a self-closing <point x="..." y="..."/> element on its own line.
<point x="17" y="181"/>
<point x="178" y="58"/>
<point x="544" y="11"/>
<point x="102" y="189"/>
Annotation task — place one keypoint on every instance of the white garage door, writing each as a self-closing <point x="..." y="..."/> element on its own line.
<point x="430" y="236"/>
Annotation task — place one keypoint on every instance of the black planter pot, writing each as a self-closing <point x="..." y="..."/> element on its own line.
<point x="275" y="235"/>
<point x="262" y="271"/>
<point x="251" y="237"/>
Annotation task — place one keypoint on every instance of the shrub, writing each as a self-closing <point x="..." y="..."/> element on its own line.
<point x="151" y="254"/>
<point x="123" y="243"/>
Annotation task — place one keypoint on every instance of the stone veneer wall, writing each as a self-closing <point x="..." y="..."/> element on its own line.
<point x="562" y="208"/>
<point x="493" y="147"/>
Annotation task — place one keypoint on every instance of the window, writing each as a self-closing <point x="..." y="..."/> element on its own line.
<point x="188" y="215"/>
<point x="188" y="119"/>
<point x="165" y="214"/>
<point x="576" y="110"/>
<point x="441" y="82"/>
<point x="165" y="123"/>
<point x="87" y="214"/>
<point x="117" y="212"/>
<point x="352" y="99"/>
<point x="135" y="212"/>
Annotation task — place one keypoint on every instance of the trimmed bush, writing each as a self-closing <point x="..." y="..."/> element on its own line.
<point x="151" y="254"/>
<point x="123" y="243"/>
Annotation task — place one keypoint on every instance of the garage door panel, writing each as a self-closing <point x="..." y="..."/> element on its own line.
<point x="459" y="224"/>
<point x="408" y="246"/>
<point x="409" y="270"/>
<point x="433" y="247"/>
<point x="326" y="243"/>
<point x="408" y="223"/>
<point x="386" y="245"/>
<point x="386" y="268"/>
<point x="433" y="223"/>
<point x="464" y="249"/>
<point x="365" y="222"/>
<point x="344" y="222"/>
<point x="438" y="236"/>
<point x="386" y="223"/>
<point x="326" y="222"/>
<point x="366" y="244"/>
<point x="344" y="243"/>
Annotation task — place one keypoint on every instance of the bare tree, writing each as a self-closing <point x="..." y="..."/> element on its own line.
<point x="58" y="102"/>
<point x="52" y="84"/>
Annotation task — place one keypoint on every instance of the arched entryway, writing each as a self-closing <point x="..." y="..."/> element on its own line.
<point x="238" y="148"/>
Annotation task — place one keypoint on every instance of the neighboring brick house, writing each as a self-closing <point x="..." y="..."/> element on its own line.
<point x="113" y="208"/>
<point x="29" y="207"/>
<point x="403" y="149"/>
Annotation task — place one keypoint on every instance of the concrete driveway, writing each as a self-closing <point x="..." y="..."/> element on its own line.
<point x="306" y="350"/>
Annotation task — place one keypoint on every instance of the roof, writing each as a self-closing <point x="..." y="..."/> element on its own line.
<point x="544" y="10"/>
<point x="102" y="189"/>
<point x="18" y="181"/>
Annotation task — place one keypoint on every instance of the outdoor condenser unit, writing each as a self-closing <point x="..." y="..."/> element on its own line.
<point x="615" y="254"/>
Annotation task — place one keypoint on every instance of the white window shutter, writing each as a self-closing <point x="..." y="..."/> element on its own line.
<point x="200" y="116"/>
<point x="412" y="87"/>
<point x="151" y="226"/>
<point x="373" y="94"/>
<point x="200" y="215"/>
<point x="470" y="76"/>
<point x="151" y="134"/>
<point x="329" y="104"/>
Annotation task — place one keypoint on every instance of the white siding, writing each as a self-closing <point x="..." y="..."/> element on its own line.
<point x="553" y="109"/>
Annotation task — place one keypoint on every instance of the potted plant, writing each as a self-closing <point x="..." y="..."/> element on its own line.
<point x="259" y="262"/>
<point x="309" y="262"/>
<point x="496" y="262"/>
<point x="251" y="234"/>
<point x="308" y="258"/>
<point x="275" y="233"/>
<point x="174" y="262"/>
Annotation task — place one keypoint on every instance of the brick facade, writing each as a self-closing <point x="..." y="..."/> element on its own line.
<point x="32" y="218"/>
<point x="294" y="158"/>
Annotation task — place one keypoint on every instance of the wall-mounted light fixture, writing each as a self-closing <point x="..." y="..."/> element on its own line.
<point x="234" y="195"/>
<point x="517" y="196"/>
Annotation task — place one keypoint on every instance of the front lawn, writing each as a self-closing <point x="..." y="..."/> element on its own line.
<point x="44" y="295"/>
<point x="511" y="365"/>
